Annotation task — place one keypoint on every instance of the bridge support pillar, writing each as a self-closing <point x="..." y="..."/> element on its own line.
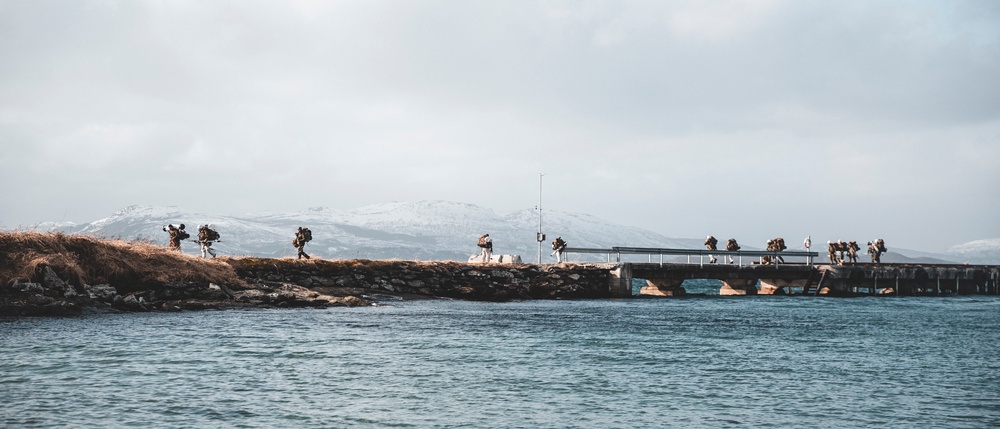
<point x="620" y="281"/>
<point x="738" y="287"/>
<point x="663" y="287"/>
<point x="779" y="286"/>
<point x="835" y="287"/>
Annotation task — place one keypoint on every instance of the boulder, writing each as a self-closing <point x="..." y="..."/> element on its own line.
<point x="55" y="286"/>
<point x="27" y="288"/>
<point x="104" y="292"/>
<point x="289" y="295"/>
<point x="130" y="303"/>
<point x="497" y="259"/>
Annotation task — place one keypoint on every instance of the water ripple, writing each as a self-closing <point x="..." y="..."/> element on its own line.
<point x="704" y="362"/>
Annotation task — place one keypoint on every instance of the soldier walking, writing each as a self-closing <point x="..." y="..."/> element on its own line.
<point x="732" y="246"/>
<point x="711" y="243"/>
<point x="875" y="249"/>
<point x="558" y="245"/>
<point x="775" y="245"/>
<point x="176" y="235"/>
<point x="486" y="243"/>
<point x="832" y="249"/>
<point x="302" y="236"/>
<point x="206" y="235"/>
<point x="852" y="251"/>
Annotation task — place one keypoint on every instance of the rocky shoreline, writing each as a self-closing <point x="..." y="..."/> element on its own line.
<point x="55" y="275"/>
<point x="468" y="281"/>
<point x="286" y="283"/>
<point x="54" y="296"/>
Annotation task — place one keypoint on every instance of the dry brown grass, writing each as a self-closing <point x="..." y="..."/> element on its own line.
<point x="320" y="265"/>
<point x="91" y="260"/>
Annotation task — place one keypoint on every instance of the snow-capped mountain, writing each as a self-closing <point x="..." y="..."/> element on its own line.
<point x="977" y="252"/>
<point x="426" y="230"/>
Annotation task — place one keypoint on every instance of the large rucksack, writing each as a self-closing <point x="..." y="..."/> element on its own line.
<point x="482" y="242"/>
<point x="302" y="237"/>
<point x="182" y="234"/>
<point x="208" y="234"/>
<point x="880" y="245"/>
<point x="732" y="246"/>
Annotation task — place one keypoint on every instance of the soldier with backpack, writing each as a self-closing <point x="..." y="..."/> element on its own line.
<point x="732" y="246"/>
<point x="558" y="245"/>
<point x="206" y="235"/>
<point x="302" y="236"/>
<point x="176" y="235"/>
<point x="486" y="243"/>
<point x="876" y="249"/>
<point x="832" y="248"/>
<point x="777" y="245"/>
<point x="711" y="243"/>
<point x="852" y="251"/>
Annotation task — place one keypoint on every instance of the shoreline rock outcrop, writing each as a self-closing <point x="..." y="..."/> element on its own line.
<point x="54" y="296"/>
<point x="55" y="274"/>
<point x="288" y="283"/>
<point x="477" y="282"/>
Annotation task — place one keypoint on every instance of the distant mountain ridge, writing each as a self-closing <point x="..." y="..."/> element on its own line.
<point x="425" y="230"/>
<point x="985" y="251"/>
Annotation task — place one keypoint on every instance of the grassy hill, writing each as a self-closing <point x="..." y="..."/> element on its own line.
<point x="82" y="260"/>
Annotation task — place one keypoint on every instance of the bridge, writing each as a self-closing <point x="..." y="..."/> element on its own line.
<point x="665" y="271"/>
<point x="651" y="253"/>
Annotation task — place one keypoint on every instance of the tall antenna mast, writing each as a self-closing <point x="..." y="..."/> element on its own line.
<point x="540" y="237"/>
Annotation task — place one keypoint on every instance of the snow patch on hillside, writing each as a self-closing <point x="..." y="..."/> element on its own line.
<point x="986" y="251"/>
<point x="424" y="230"/>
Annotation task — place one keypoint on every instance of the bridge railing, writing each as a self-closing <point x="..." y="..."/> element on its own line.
<point x="735" y="256"/>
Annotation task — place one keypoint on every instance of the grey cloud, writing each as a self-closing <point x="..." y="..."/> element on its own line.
<point x="687" y="111"/>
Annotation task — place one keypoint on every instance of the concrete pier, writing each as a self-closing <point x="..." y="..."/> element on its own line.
<point x="833" y="280"/>
<point x="911" y="279"/>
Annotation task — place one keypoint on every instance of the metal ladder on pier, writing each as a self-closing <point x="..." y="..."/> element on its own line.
<point x="814" y="282"/>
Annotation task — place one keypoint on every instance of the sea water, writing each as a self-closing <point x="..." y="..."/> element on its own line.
<point x="708" y="361"/>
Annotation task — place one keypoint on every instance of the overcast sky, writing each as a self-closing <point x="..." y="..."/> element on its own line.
<point x="841" y="120"/>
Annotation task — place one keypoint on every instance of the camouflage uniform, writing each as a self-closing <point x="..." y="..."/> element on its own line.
<point x="486" y="243"/>
<point x="175" y="237"/>
<point x="779" y="245"/>
<point x="732" y="246"/>
<point x="831" y="248"/>
<point x="766" y="260"/>
<point x="558" y="245"/>
<point x="300" y="243"/>
<point x="876" y="248"/>
<point x="711" y="243"/>
<point x="852" y="251"/>
<point x="205" y="242"/>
